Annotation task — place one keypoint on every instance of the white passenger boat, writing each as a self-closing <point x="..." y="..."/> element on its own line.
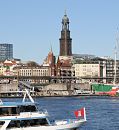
<point x="26" y="116"/>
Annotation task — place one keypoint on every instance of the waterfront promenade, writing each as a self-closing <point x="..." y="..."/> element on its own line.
<point x="14" y="89"/>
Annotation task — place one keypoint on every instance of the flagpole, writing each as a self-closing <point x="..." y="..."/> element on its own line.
<point x="84" y="114"/>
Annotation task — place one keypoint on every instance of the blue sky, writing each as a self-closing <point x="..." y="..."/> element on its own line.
<point x="33" y="25"/>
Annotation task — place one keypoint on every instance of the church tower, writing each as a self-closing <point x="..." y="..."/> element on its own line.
<point x="65" y="40"/>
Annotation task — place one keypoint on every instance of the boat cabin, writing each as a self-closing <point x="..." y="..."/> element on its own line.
<point x="16" y="109"/>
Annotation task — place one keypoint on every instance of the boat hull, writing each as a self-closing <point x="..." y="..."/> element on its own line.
<point x="105" y="89"/>
<point x="69" y="126"/>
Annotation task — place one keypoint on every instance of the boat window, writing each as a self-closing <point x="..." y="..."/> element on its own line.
<point x="33" y="122"/>
<point x="23" y="123"/>
<point x="27" y="123"/>
<point x="29" y="108"/>
<point x="14" y="124"/>
<point x="8" y="111"/>
<point x="1" y="123"/>
<point x="42" y="121"/>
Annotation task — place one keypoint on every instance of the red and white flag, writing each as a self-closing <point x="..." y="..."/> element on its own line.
<point x="80" y="113"/>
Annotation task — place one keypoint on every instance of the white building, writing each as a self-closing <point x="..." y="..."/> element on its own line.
<point x="34" y="71"/>
<point x="87" y="70"/>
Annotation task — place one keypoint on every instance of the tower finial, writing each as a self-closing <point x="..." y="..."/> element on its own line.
<point x="51" y="47"/>
<point x="65" y="12"/>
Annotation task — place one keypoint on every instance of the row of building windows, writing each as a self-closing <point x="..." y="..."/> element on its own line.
<point x="78" y="65"/>
<point x="85" y="74"/>
<point x="34" y="70"/>
<point x="34" y="74"/>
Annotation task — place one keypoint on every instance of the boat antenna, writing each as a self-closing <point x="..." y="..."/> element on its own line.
<point x="27" y="93"/>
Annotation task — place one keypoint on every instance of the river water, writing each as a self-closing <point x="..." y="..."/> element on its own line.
<point x="102" y="112"/>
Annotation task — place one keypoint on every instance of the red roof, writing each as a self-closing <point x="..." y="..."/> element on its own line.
<point x="9" y="63"/>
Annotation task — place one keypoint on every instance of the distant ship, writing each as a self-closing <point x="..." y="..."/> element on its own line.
<point x="108" y="89"/>
<point x="105" y="89"/>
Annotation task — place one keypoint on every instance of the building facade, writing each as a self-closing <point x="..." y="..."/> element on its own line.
<point x="6" y="51"/>
<point x="100" y="68"/>
<point x="29" y="71"/>
<point x="87" y="70"/>
<point x="6" y="67"/>
<point x="64" y="67"/>
<point x="50" y="62"/>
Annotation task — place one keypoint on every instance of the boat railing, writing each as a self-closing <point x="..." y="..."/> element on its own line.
<point x="64" y="121"/>
<point x="43" y="111"/>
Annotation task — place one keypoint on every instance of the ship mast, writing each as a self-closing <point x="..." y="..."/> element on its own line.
<point x="115" y="64"/>
<point x="115" y="58"/>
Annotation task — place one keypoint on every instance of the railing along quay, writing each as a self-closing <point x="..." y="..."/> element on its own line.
<point x="52" y="77"/>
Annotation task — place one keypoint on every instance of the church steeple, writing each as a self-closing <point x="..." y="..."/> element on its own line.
<point x="65" y="40"/>
<point x="65" y="22"/>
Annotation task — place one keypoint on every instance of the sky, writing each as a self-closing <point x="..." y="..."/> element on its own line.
<point x="33" y="26"/>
